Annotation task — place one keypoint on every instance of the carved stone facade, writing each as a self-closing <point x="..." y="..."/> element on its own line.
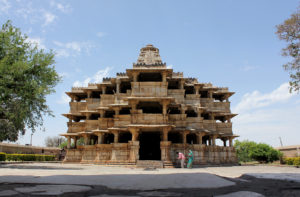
<point x="149" y="113"/>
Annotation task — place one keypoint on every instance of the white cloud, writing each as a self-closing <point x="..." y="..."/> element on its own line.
<point x="36" y="41"/>
<point x="72" y="48"/>
<point x="64" y="99"/>
<point x="101" y="34"/>
<point x="48" y="17"/>
<point x="65" y="8"/>
<point x="4" y="6"/>
<point x="170" y="66"/>
<point x="266" y="117"/>
<point x="257" y="100"/>
<point x="97" y="78"/>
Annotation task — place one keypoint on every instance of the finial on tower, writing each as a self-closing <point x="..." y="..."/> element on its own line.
<point x="149" y="56"/>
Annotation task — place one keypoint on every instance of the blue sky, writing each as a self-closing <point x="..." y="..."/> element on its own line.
<point x="228" y="43"/>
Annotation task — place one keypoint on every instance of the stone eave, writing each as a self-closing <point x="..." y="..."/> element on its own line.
<point x="70" y="134"/>
<point x="149" y="126"/>
<point x="149" y="98"/>
<point x="70" y="115"/>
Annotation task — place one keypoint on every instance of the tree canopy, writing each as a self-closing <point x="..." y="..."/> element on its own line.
<point x="27" y="76"/>
<point x="55" y="141"/>
<point x="289" y="31"/>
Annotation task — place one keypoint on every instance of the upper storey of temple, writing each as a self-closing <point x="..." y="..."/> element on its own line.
<point x="149" y="57"/>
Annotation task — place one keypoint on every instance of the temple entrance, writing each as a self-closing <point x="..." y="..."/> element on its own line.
<point x="150" y="146"/>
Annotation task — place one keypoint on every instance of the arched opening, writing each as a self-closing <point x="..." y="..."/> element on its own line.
<point x="150" y="107"/>
<point x="109" y="114"/>
<point x="108" y="138"/>
<point x="124" y="137"/>
<point x="110" y="90"/>
<point x="205" y="116"/>
<point x="189" y="89"/>
<point x="191" y="138"/>
<point x="219" y="97"/>
<point x="94" y="116"/>
<point x="79" y="118"/>
<point x="150" y="146"/>
<point x="174" y="110"/>
<point x="175" y="137"/>
<point x="124" y="86"/>
<point x="95" y="95"/>
<point x="205" y="140"/>
<point x="151" y="77"/>
<point x="203" y="94"/>
<point x="173" y="85"/>
<point x="190" y="113"/>
<point x="124" y="111"/>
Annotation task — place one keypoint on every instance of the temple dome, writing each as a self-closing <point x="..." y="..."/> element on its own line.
<point x="149" y="55"/>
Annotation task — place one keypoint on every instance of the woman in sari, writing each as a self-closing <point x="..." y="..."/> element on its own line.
<point x="191" y="159"/>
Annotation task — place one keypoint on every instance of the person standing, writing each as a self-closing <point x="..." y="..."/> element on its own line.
<point x="191" y="159"/>
<point x="181" y="157"/>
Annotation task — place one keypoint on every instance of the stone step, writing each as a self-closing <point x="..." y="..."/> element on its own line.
<point x="149" y="164"/>
<point x="168" y="164"/>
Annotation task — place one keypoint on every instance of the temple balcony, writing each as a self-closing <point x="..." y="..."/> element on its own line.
<point x="225" y="128"/>
<point x="209" y="125"/>
<point x="221" y="106"/>
<point x="105" y="123"/>
<point x="91" y="125"/>
<point x="107" y="99"/>
<point x="75" y="127"/>
<point x="150" y="89"/>
<point x="192" y="99"/>
<point x="76" y="107"/>
<point x="92" y="103"/>
<point x="205" y="101"/>
<point x="194" y="122"/>
<point x="149" y="119"/>
<point x="122" y="120"/>
<point x="178" y="94"/>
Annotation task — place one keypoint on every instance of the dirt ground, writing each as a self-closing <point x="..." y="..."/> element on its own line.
<point x="240" y="176"/>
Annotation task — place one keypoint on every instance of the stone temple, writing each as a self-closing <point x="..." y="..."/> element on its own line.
<point x="148" y="113"/>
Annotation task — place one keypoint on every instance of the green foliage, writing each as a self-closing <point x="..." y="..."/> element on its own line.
<point x="264" y="153"/>
<point x="243" y="149"/>
<point x="26" y="78"/>
<point x="2" y="156"/>
<point x="292" y="161"/>
<point x="29" y="157"/>
<point x="63" y="145"/>
<point x="251" y="151"/>
<point x="54" y="141"/>
<point x="289" y="31"/>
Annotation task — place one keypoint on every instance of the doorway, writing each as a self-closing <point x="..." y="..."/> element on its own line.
<point x="150" y="146"/>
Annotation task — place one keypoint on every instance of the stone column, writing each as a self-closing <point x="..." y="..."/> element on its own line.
<point x="69" y="142"/>
<point x="200" y="135"/>
<point x="164" y="103"/>
<point x="89" y="93"/>
<point x="214" y="140"/>
<point x="181" y="84"/>
<point x="116" y="136"/>
<point x="184" y="136"/>
<point x="230" y="141"/>
<point x="101" y="113"/>
<point x="224" y="142"/>
<point x="134" y="76"/>
<point x="117" y="111"/>
<point x="165" y="133"/>
<point x="164" y="76"/>
<point x="118" y="86"/>
<point x="134" y="133"/>
<point x="197" y="90"/>
<point x="210" y="94"/>
<point x="75" y="142"/>
<point x="103" y="89"/>
<point x="100" y="138"/>
<point x="86" y="139"/>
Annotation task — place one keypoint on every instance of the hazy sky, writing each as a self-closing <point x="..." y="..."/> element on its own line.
<point x="228" y="43"/>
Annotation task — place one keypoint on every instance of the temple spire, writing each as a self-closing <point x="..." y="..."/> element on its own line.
<point x="149" y="56"/>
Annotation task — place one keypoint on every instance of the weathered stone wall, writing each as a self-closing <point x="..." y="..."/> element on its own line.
<point x="21" y="149"/>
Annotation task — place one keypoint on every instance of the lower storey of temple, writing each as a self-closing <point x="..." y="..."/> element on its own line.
<point x="150" y="147"/>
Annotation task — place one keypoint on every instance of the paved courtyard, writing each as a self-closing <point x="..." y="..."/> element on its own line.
<point x="56" y="179"/>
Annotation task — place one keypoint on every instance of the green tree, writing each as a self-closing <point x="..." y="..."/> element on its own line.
<point x="243" y="150"/>
<point x="27" y="76"/>
<point x="289" y="31"/>
<point x="264" y="153"/>
<point x="55" y="141"/>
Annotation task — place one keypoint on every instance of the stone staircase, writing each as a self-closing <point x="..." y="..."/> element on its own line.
<point x="149" y="164"/>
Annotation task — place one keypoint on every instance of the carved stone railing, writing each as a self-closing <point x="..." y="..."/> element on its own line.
<point x="149" y="89"/>
<point x="76" y="107"/>
<point x="75" y="127"/>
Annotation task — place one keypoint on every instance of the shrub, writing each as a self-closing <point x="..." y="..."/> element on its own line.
<point x="2" y="156"/>
<point x="292" y="161"/>
<point x="243" y="150"/>
<point x="29" y="157"/>
<point x="264" y="153"/>
<point x="296" y="161"/>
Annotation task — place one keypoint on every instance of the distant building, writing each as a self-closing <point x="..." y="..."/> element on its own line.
<point x="149" y="113"/>
<point x="290" y="151"/>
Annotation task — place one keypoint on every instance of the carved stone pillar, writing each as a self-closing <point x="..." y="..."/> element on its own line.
<point x="134" y="133"/>
<point x="134" y="75"/>
<point x="89" y="93"/>
<point x="184" y="137"/>
<point x="200" y="135"/>
<point x="164" y="76"/>
<point x="181" y="84"/>
<point x="118" y="82"/>
<point x="69" y="142"/>
<point x="214" y="140"/>
<point x="116" y="136"/>
<point x="165" y="133"/>
<point x="100" y="138"/>
<point x="230" y="141"/>
<point x="165" y="150"/>
<point x="197" y="90"/>
<point x="103" y="89"/>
